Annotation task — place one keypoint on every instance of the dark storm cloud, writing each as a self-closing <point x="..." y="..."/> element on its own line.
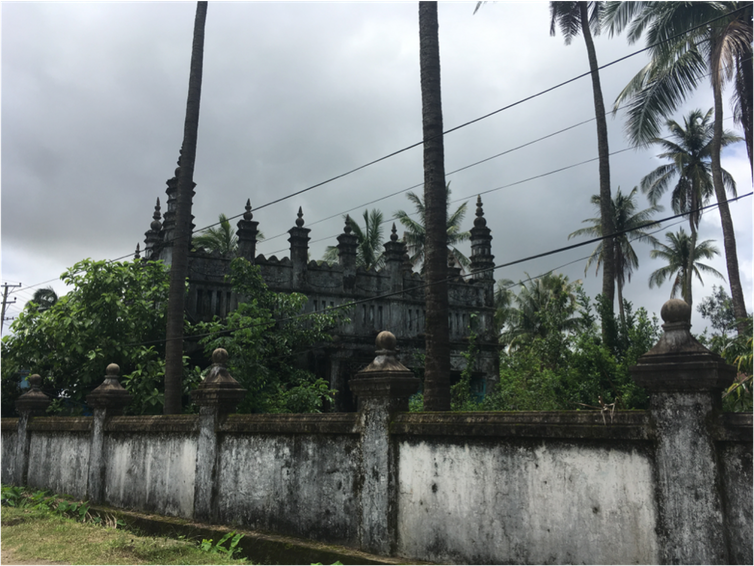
<point x="295" y="93"/>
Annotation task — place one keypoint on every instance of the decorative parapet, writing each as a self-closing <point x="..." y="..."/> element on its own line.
<point x="219" y="389"/>
<point x="110" y="394"/>
<point x="33" y="402"/>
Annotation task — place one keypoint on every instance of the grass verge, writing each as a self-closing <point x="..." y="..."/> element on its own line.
<point x="34" y="534"/>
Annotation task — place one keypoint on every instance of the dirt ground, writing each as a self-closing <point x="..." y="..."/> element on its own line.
<point x="8" y="557"/>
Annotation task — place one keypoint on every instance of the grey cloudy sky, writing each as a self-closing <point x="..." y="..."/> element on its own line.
<point x="93" y="104"/>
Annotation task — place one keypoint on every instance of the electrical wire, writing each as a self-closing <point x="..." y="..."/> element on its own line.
<point x="357" y="302"/>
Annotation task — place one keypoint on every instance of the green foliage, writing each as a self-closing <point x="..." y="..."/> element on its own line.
<point x="266" y="337"/>
<point x="461" y="396"/>
<point x="718" y="309"/>
<point x="110" y="312"/>
<point x="65" y="506"/>
<point x="232" y="538"/>
<point x="557" y="358"/>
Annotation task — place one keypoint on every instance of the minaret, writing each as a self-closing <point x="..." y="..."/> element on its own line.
<point x="153" y="237"/>
<point x="299" y="241"/>
<point x="347" y="245"/>
<point x="394" y="252"/>
<point x="482" y="260"/>
<point x="168" y="226"/>
<point x="247" y="234"/>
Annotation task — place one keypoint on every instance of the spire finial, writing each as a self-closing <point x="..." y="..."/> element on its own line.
<point x="393" y="234"/>
<point x="137" y="254"/>
<point x="348" y="228"/>
<point x="300" y="219"/>
<point x="248" y="215"/>
<point x="479" y="221"/>
<point x="155" y="225"/>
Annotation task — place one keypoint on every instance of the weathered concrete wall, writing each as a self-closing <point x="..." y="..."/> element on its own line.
<point x="151" y="471"/>
<point x="9" y="438"/>
<point x="736" y="459"/>
<point x="465" y="487"/>
<point x="526" y="502"/>
<point x="59" y="461"/>
<point x="305" y="485"/>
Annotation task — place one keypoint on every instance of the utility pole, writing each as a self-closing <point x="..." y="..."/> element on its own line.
<point x="6" y="303"/>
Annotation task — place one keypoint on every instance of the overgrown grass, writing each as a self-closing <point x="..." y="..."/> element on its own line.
<point x="38" y="526"/>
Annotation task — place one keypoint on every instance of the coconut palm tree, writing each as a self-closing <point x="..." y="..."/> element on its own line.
<point x="219" y="238"/>
<point x="584" y="17"/>
<point x="625" y="218"/>
<point x="690" y="40"/>
<point x="689" y="150"/>
<point x="543" y="305"/>
<point x="437" y="337"/>
<point x="369" y="241"/>
<point x="179" y="265"/>
<point x="679" y="255"/>
<point x="415" y="234"/>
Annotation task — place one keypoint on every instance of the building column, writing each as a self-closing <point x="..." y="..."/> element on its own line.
<point x="685" y="382"/>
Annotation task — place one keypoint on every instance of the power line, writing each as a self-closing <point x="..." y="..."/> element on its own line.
<point x="469" y="275"/>
<point x="463" y="125"/>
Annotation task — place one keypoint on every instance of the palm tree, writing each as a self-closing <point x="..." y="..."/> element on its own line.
<point x="679" y="255"/>
<point x="44" y="298"/>
<point x="690" y="40"/>
<point x="219" y="239"/>
<point x="369" y="240"/>
<point x="625" y="218"/>
<point x="543" y="305"/>
<point x="689" y="150"/>
<point x="584" y="17"/>
<point x="437" y="339"/>
<point x="179" y="266"/>
<point x="415" y="235"/>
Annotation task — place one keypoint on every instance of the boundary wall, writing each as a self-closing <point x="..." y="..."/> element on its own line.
<point x="669" y="485"/>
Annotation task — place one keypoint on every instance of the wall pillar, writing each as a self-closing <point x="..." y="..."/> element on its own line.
<point x="217" y="396"/>
<point x="107" y="400"/>
<point x="685" y="382"/>
<point x="30" y="404"/>
<point x="383" y="389"/>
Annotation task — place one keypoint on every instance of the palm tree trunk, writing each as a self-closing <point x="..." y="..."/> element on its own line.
<point x="608" y="261"/>
<point x="745" y="94"/>
<point x="729" y="237"/>
<point x="437" y="365"/>
<point x="179" y="266"/>
<point x="620" y="304"/>
<point x="686" y="291"/>
<point x="693" y="226"/>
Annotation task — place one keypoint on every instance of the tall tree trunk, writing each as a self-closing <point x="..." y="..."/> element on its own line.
<point x="746" y="94"/>
<point x="603" y="152"/>
<point x="437" y="365"/>
<point x="179" y="266"/>
<point x="729" y="237"/>
<point x="693" y="226"/>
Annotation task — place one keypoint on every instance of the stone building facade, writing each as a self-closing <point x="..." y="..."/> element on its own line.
<point x="391" y="298"/>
